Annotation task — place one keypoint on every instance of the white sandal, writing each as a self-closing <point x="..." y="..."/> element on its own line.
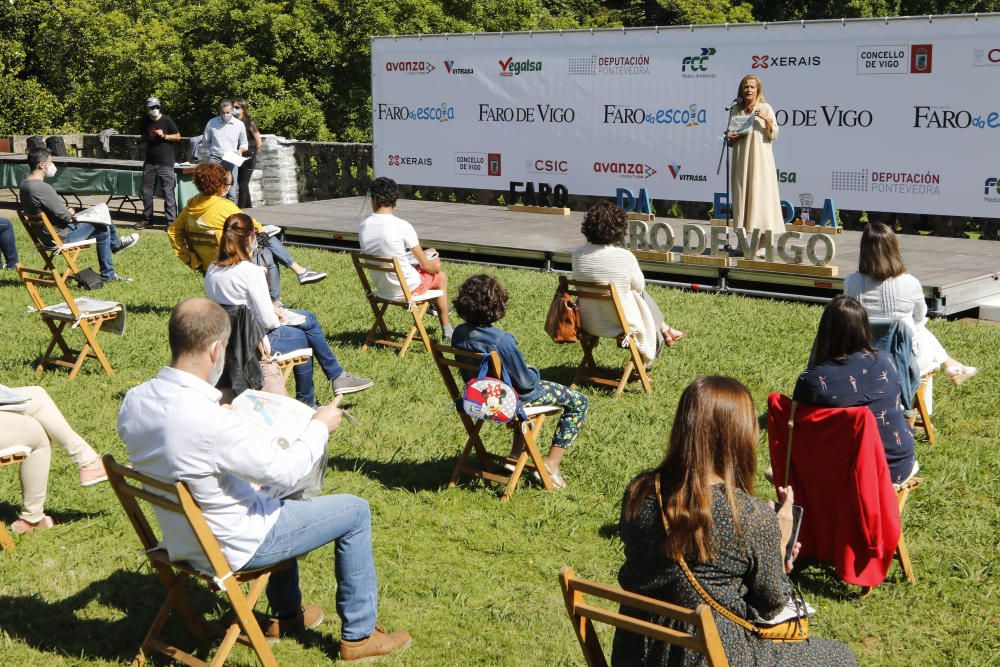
<point x="960" y="373"/>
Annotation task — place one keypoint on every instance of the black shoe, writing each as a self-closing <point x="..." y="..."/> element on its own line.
<point x="143" y="224"/>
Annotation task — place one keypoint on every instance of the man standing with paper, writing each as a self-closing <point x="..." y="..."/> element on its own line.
<point x="226" y="139"/>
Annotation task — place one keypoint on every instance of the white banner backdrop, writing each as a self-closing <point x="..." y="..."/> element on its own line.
<point x="900" y="115"/>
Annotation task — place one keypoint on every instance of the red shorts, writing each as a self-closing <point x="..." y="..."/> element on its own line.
<point x="428" y="281"/>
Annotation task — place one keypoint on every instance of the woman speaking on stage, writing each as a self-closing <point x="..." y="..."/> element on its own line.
<point x="754" y="181"/>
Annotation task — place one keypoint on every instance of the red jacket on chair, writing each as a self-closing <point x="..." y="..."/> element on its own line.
<point x="840" y="477"/>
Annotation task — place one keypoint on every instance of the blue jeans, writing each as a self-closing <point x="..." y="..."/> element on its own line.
<point x="305" y="525"/>
<point x="106" y="236"/>
<point x="309" y="334"/>
<point x="7" y="245"/>
<point x="234" y="171"/>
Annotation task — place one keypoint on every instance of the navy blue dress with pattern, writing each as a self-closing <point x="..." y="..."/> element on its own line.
<point x="869" y="379"/>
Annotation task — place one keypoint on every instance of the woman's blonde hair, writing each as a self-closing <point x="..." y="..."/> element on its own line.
<point x="760" y="88"/>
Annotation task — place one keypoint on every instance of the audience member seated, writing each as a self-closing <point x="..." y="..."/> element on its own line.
<point x="382" y="234"/>
<point x="206" y="212"/>
<point x="37" y="196"/>
<point x="8" y="244"/>
<point x="223" y="461"/>
<point x="34" y="425"/>
<point x="888" y="292"/>
<point x="233" y="280"/>
<point x="848" y="372"/>
<point x="481" y="302"/>
<point x="733" y="542"/>
<point x="602" y="259"/>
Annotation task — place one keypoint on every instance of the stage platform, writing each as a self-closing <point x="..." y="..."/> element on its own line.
<point x="957" y="274"/>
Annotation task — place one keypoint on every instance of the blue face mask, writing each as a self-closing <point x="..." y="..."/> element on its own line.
<point x="237" y="112"/>
<point x="226" y="117"/>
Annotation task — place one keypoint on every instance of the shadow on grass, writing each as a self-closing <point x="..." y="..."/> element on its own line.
<point x="409" y="475"/>
<point x="561" y="374"/>
<point x="56" y="626"/>
<point x="9" y="512"/>
<point x="817" y="579"/>
<point x="348" y="338"/>
<point x="149" y="309"/>
<point x="609" y="530"/>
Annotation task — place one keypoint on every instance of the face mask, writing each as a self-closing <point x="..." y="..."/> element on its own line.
<point x="226" y="117"/>
<point x="216" y="372"/>
<point x="154" y="113"/>
<point x="237" y="112"/>
<point x="50" y="170"/>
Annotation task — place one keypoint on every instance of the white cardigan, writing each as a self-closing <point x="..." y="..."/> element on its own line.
<point x="608" y="264"/>
<point x="899" y="298"/>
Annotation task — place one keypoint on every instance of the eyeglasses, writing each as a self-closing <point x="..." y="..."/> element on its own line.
<point x="155" y="106"/>
<point x="237" y="106"/>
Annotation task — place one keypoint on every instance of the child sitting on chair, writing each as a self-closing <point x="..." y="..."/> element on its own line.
<point x="481" y="301"/>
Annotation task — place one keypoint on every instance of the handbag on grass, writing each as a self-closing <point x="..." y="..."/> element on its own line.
<point x="562" y="323"/>
<point x="793" y="630"/>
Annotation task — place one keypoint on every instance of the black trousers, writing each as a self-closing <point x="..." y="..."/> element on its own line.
<point x="165" y="174"/>
<point x="243" y="180"/>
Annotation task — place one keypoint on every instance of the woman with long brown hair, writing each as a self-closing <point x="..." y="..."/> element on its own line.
<point x="242" y="111"/>
<point x="233" y="280"/>
<point x="888" y="292"/>
<point x="732" y="542"/>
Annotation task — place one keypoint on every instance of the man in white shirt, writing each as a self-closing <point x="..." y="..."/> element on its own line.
<point x="226" y="134"/>
<point x="220" y="457"/>
<point x="382" y="234"/>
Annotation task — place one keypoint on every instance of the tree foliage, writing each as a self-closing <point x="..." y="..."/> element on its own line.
<point x="303" y="65"/>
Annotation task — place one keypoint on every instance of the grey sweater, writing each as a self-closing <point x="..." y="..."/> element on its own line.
<point x="40" y="197"/>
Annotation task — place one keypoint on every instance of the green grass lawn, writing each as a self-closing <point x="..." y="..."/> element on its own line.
<point x="473" y="580"/>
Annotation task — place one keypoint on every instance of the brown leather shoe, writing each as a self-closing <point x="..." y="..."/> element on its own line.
<point x="310" y="617"/>
<point x="379" y="643"/>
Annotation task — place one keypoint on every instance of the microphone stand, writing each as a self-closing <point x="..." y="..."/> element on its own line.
<point x="730" y="226"/>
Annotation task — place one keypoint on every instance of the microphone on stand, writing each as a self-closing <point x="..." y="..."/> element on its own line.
<point x="736" y="100"/>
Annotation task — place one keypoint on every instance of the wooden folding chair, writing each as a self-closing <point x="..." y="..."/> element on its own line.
<point x="921" y="411"/>
<point x="524" y="452"/>
<point x="287" y="361"/>
<point x="588" y="370"/>
<point x="58" y="317"/>
<point x="10" y="456"/>
<point x="417" y="305"/>
<point x="131" y="487"/>
<point x="49" y="245"/>
<point x="705" y="639"/>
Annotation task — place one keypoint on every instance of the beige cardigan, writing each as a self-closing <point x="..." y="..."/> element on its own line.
<point x="608" y="264"/>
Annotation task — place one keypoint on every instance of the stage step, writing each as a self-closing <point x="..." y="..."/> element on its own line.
<point x="989" y="309"/>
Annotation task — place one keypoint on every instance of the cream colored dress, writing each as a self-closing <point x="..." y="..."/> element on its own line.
<point x="756" y="201"/>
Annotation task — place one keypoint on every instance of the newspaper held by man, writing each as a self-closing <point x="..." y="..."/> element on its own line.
<point x="282" y="419"/>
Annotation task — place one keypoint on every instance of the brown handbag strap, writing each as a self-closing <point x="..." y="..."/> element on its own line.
<point x="742" y="622"/>
<point x="788" y="445"/>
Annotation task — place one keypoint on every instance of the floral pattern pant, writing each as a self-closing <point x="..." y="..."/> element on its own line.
<point x="574" y="406"/>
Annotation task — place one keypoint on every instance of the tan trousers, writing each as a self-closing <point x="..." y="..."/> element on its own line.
<point x="40" y="423"/>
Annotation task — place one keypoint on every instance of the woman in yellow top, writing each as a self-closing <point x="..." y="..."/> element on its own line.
<point x="206" y="213"/>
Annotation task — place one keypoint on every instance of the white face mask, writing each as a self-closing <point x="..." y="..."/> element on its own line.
<point x="154" y="113"/>
<point x="50" y="170"/>
<point x="217" y="368"/>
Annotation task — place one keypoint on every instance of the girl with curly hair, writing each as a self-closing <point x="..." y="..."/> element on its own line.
<point x="481" y="302"/>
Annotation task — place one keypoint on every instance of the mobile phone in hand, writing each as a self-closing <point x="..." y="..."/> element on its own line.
<point x="796" y="525"/>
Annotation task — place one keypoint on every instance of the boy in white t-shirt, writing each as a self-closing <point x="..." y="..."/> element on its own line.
<point x="382" y="234"/>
